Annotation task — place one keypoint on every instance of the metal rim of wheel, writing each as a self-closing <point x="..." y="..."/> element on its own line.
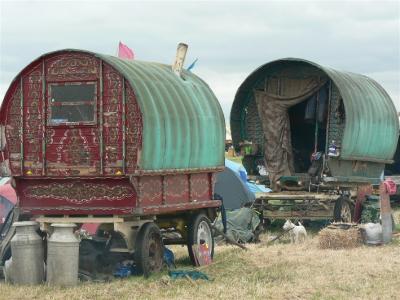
<point x="345" y="213"/>
<point x="154" y="253"/>
<point x="204" y="234"/>
<point x="149" y="250"/>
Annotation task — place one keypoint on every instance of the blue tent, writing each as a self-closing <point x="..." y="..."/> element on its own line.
<point x="233" y="187"/>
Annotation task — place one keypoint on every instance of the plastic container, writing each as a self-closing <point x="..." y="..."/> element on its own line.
<point x="373" y="233"/>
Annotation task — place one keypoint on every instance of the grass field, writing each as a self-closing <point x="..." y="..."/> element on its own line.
<point x="279" y="271"/>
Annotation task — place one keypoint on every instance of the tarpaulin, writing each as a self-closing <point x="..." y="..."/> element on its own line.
<point x="273" y="104"/>
<point x="241" y="224"/>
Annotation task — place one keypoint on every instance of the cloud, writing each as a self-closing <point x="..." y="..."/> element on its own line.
<point x="390" y="81"/>
<point x="223" y="85"/>
<point x="230" y="39"/>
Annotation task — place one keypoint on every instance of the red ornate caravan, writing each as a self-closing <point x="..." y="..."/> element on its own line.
<point x="86" y="134"/>
<point x="81" y="120"/>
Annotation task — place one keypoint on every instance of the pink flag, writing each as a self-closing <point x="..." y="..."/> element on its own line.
<point x="125" y="52"/>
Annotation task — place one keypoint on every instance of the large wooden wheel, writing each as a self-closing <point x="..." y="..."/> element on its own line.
<point x="149" y="249"/>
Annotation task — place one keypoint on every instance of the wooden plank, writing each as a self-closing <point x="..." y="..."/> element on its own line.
<point x="123" y="127"/>
<point x="67" y="219"/>
<point x="44" y="118"/>
<point x="22" y="126"/>
<point x="328" y="117"/>
<point x="298" y="214"/>
<point x="101" y="119"/>
<point x="302" y="196"/>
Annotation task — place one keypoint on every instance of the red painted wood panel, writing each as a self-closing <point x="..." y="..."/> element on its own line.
<point x="75" y="149"/>
<point x="13" y="131"/>
<point x="69" y="150"/>
<point x="151" y="191"/>
<point x="66" y="67"/>
<point x="89" y="196"/>
<point x="176" y="189"/>
<point x="164" y="192"/>
<point x="112" y="121"/>
<point x="134" y="129"/>
<point x="72" y="150"/>
<point x="200" y="186"/>
<point x="152" y="195"/>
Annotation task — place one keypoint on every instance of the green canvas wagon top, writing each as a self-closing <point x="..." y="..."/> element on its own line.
<point x="298" y="107"/>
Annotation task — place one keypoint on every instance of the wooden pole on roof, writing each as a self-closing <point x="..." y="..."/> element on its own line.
<point x="180" y="58"/>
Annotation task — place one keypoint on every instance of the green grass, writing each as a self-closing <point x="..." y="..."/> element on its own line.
<point x="278" y="271"/>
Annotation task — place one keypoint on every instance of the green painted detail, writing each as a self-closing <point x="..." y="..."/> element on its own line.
<point x="372" y="125"/>
<point x="346" y="170"/>
<point x="284" y="179"/>
<point x="183" y="123"/>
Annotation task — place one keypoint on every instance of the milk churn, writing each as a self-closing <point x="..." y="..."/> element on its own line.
<point x="27" y="266"/>
<point x="62" y="256"/>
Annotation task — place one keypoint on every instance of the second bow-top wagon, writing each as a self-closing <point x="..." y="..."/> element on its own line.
<point x="322" y="136"/>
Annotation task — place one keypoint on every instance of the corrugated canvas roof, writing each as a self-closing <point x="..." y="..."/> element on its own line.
<point x="371" y="127"/>
<point x="183" y="123"/>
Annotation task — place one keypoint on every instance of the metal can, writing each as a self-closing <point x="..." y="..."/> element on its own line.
<point x="62" y="256"/>
<point x="27" y="266"/>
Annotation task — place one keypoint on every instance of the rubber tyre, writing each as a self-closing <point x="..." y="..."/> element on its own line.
<point x="149" y="250"/>
<point x="343" y="211"/>
<point x="198" y="227"/>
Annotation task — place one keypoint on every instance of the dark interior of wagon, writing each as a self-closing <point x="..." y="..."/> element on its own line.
<point x="294" y="111"/>
<point x="394" y="168"/>
<point x="308" y="125"/>
<point x="308" y="122"/>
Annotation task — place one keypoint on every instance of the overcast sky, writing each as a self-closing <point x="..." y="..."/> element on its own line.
<point x="230" y="39"/>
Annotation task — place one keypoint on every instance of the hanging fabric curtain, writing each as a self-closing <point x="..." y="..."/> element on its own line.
<point x="273" y="104"/>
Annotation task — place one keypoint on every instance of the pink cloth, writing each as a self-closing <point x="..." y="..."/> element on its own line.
<point x="125" y="52"/>
<point x="7" y="191"/>
<point x="390" y="186"/>
<point x="9" y="200"/>
<point x="91" y="228"/>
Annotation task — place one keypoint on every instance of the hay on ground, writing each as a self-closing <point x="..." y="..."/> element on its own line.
<point x="337" y="236"/>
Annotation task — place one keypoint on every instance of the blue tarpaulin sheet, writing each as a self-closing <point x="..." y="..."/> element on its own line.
<point x="242" y="173"/>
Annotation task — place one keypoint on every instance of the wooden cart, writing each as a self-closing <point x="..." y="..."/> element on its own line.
<point x="132" y="146"/>
<point x="324" y="137"/>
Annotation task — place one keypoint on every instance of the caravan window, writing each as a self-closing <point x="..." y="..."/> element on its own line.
<point x="72" y="103"/>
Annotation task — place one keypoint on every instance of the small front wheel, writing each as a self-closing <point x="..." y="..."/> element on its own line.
<point x="200" y="232"/>
<point x="343" y="211"/>
<point x="149" y="249"/>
